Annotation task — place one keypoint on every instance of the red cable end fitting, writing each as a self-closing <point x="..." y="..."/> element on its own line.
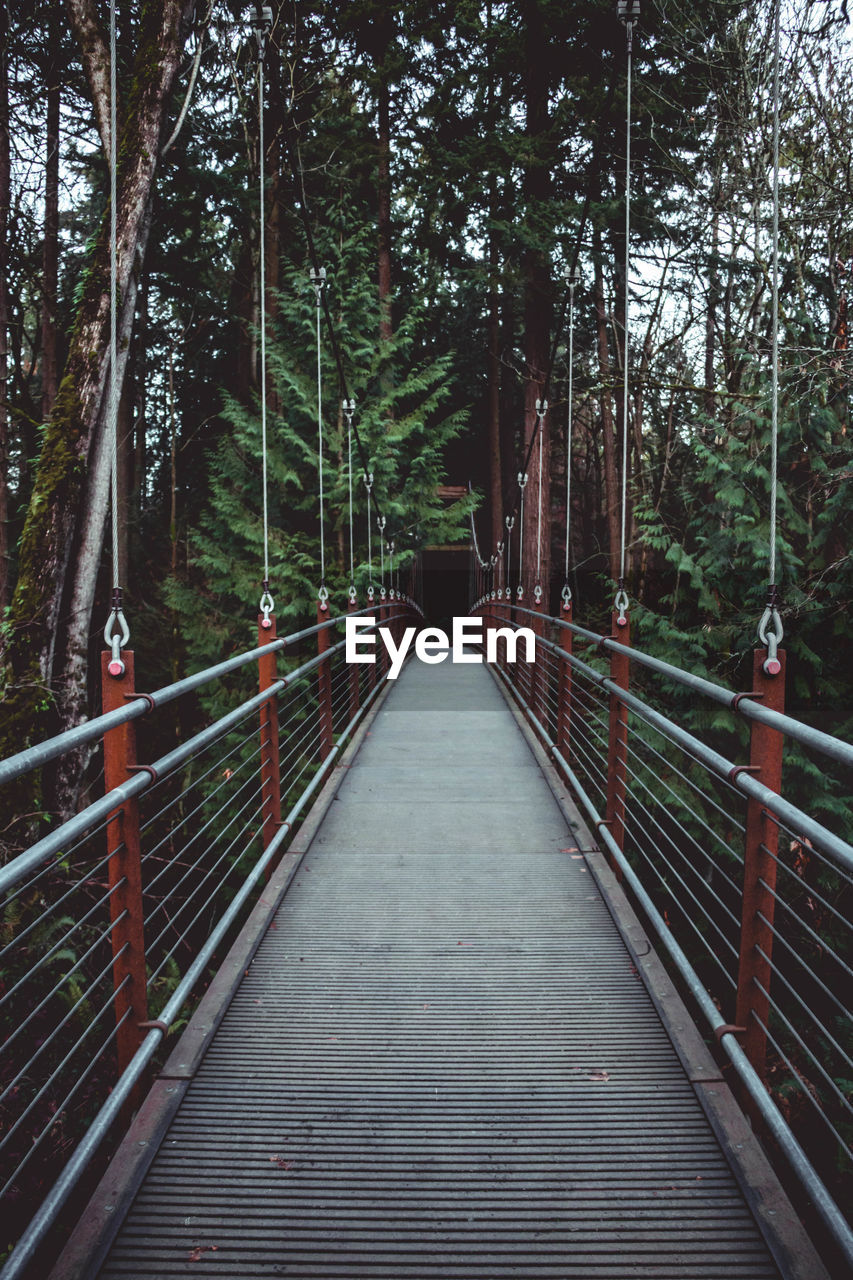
<point x="772" y="667"/>
<point x="116" y="667"/>
<point x="266" y="624"/>
<point x="621" y="622"/>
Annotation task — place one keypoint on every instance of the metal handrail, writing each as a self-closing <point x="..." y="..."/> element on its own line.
<point x="740" y="703"/>
<point x="548" y="702"/>
<point x="143" y="703"/>
<point x="61" y="864"/>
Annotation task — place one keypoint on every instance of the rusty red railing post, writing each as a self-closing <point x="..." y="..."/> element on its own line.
<point x="127" y="932"/>
<point x="324" y="682"/>
<point x="564" y="696"/>
<point x="536" y="676"/>
<point x="270" y="767"/>
<point x="354" y="671"/>
<point x="761" y="843"/>
<point x="374" y="616"/>
<point x="617" y="740"/>
<point x="382" y="659"/>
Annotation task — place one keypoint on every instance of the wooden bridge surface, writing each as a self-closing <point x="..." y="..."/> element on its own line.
<point x="443" y="1060"/>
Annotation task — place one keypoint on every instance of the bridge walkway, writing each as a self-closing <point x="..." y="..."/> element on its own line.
<point x="443" y="1060"/>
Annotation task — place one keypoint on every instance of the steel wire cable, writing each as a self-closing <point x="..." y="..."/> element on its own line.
<point x="77" y="887"/>
<point x="797" y="1079"/>
<point x="821" y="1027"/>
<point x="195" y="783"/>
<point x="813" y="849"/>
<point x="54" y="867"/>
<point x="815" y="896"/>
<point x="202" y="804"/>
<point x="60" y="943"/>
<point x="48" y="1039"/>
<point x="106" y="1008"/>
<point x="709" y="799"/>
<point x="711" y="954"/>
<point x="691" y="839"/>
<point x="65" y="1103"/>
<point x="191" y="867"/>
<point x="592" y="766"/>
<point x="679" y="800"/>
<point x="814" y="977"/>
<point x="181" y="938"/>
<point x="656" y="849"/>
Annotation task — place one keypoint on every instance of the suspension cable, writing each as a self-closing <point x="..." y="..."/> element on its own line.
<point x="380" y="520"/>
<point x="604" y="116"/>
<point x="574" y="280"/>
<point x="368" y="484"/>
<point x="349" y="410"/>
<point x="262" y="23"/>
<point x="541" y="410"/>
<point x="291" y="141"/>
<point x="318" y="280"/>
<point x="770" y="627"/>
<point x="116" y="631"/>
<point x="629" y="12"/>
<point x="522" y="483"/>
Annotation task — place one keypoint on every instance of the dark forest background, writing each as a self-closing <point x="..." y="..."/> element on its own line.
<point x="441" y="156"/>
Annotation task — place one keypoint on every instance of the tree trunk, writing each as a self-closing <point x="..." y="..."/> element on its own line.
<point x="51" y="522"/>
<point x="50" y="252"/>
<point x="5" y="197"/>
<point x="537" y="310"/>
<point x="611" y="487"/>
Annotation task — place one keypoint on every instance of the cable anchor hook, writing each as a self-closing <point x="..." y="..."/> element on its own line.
<point x="261" y="24"/>
<point x="266" y="606"/>
<point x="323" y="597"/>
<point x="620" y="604"/>
<point x="116" y="640"/>
<point x="566" y="597"/>
<point x="770" y="633"/>
<point x="318" y="280"/>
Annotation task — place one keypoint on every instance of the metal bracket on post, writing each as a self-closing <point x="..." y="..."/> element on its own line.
<point x="127" y="932"/>
<point x="270" y="767"/>
<point x="761" y="843"/>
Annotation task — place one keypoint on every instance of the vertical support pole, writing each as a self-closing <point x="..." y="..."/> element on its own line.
<point x="324" y="685"/>
<point x="617" y="743"/>
<point x="125" y="869"/>
<point x="371" y="670"/>
<point x="354" y="675"/>
<point x="536" y="675"/>
<point x="270" y="768"/>
<point x="564" y="698"/>
<point x="759" y="870"/>
<point x="382" y="652"/>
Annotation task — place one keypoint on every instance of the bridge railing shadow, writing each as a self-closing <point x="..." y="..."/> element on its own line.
<point x="733" y="844"/>
<point x="114" y="919"/>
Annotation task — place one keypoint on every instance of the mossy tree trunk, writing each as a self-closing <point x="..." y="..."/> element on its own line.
<point x="5" y="195"/>
<point x="36" y="648"/>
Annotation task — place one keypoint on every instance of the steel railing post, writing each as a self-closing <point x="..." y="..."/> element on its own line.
<point x="617" y="741"/>
<point x="354" y="675"/>
<point x="324" y="685"/>
<point x="270" y="767"/>
<point x="125" y="869"/>
<point x="759" y="870"/>
<point x="564" y="699"/>
<point x="536" y="676"/>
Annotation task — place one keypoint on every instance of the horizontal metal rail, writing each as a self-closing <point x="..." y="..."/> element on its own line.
<point x="56" y="842"/>
<point x="657" y="821"/>
<point x="834" y="846"/>
<point x="143" y="703"/>
<point x="196" y="881"/>
<point x="742" y="704"/>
